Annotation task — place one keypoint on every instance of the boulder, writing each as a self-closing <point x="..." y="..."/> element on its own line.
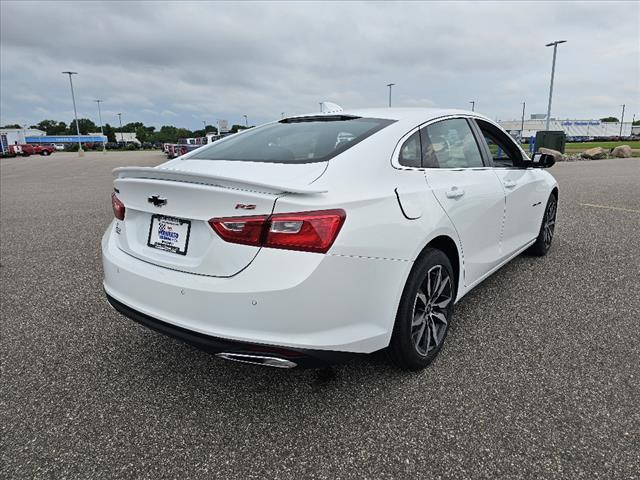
<point x="595" y="153"/>
<point x="621" y="151"/>
<point x="558" y="156"/>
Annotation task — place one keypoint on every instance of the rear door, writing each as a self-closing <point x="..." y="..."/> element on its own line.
<point x="467" y="190"/>
<point x="525" y="188"/>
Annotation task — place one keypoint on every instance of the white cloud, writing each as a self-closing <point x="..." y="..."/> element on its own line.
<point x="187" y="62"/>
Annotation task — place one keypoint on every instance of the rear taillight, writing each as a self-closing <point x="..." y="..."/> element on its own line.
<point x="118" y="207"/>
<point x="306" y="231"/>
<point x="244" y="230"/>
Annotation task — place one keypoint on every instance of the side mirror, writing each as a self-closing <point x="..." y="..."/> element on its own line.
<point x="541" y="160"/>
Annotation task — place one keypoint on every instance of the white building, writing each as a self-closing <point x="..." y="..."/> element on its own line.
<point x="127" y="137"/>
<point x="572" y="128"/>
<point x="16" y="136"/>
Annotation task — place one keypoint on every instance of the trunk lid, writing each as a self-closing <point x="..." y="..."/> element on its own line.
<point x="178" y="198"/>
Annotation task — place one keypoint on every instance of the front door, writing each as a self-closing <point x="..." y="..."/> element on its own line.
<point x="524" y="188"/>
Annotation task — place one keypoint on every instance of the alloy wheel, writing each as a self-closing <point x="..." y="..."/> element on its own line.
<point x="430" y="310"/>
<point x="549" y="222"/>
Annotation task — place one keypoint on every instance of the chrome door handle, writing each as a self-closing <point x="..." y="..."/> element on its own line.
<point x="455" y="192"/>
<point x="510" y="184"/>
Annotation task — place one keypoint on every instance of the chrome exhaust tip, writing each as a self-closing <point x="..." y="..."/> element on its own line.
<point x="257" y="360"/>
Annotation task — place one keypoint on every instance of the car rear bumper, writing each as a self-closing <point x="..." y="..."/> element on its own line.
<point x="295" y="357"/>
<point x="294" y="300"/>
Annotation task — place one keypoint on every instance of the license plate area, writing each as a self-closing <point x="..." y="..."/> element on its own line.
<point x="170" y="234"/>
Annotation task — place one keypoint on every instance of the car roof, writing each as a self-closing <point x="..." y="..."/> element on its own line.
<point x="408" y="114"/>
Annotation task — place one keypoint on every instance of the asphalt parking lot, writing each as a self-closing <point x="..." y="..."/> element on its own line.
<point x="539" y="377"/>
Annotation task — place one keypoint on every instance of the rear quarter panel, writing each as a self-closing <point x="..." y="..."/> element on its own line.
<point x="362" y="181"/>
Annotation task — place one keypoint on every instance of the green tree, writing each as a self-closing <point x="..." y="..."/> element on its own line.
<point x="142" y="134"/>
<point x="52" y="127"/>
<point x="166" y="134"/>
<point x="110" y="132"/>
<point x="609" y="120"/>
<point x="132" y="126"/>
<point x="183" y="133"/>
<point x="237" y="128"/>
<point x="637" y="122"/>
<point x="85" y="125"/>
<point x="208" y="129"/>
<point x="14" y="125"/>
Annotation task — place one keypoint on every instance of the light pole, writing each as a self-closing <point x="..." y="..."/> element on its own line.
<point x="282" y="115"/>
<point x="390" y="85"/>
<point x="121" y="134"/>
<point x="246" y="121"/>
<point x="522" y="121"/>
<point x="553" y="71"/>
<point x="75" y="112"/>
<point x="622" y="120"/>
<point x="205" y="127"/>
<point x="320" y="103"/>
<point x="473" y="105"/>
<point x="104" y="146"/>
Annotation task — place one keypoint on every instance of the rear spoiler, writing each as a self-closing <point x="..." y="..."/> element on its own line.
<point x="154" y="173"/>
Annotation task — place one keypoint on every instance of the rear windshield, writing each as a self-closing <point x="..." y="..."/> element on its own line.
<point x="295" y="140"/>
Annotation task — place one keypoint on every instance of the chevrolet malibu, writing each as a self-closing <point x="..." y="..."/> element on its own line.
<point x="319" y="238"/>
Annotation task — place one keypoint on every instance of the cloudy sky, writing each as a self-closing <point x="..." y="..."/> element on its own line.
<point x="182" y="63"/>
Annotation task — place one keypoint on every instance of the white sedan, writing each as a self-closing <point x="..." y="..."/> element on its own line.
<point x="321" y="237"/>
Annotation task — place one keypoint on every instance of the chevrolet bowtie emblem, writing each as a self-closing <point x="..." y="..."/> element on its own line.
<point x="157" y="200"/>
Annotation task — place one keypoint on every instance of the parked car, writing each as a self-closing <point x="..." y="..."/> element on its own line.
<point x="59" y="146"/>
<point x="322" y="237"/>
<point x="46" y="149"/>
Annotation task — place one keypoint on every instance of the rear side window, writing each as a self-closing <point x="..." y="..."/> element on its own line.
<point x="410" y="152"/>
<point x="296" y="140"/>
<point x="450" y="144"/>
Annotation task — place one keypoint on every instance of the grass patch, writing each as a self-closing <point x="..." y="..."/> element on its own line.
<point x="581" y="147"/>
<point x="587" y="145"/>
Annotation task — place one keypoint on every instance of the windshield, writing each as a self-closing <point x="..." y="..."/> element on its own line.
<point x="294" y="140"/>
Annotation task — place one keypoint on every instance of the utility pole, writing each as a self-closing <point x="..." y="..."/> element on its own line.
<point x="622" y="120"/>
<point x="390" y="85"/>
<point x="104" y="146"/>
<point x="246" y="121"/>
<point x="121" y="134"/>
<point x="553" y="71"/>
<point x="205" y="127"/>
<point x="320" y="103"/>
<point x="473" y="105"/>
<point x="75" y="112"/>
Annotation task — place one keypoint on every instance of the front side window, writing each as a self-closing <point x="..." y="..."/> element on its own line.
<point x="450" y="144"/>
<point x="504" y="152"/>
<point x="295" y="140"/>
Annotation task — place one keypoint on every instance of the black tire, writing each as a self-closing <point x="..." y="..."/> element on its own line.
<point x="405" y="347"/>
<point x="547" y="228"/>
